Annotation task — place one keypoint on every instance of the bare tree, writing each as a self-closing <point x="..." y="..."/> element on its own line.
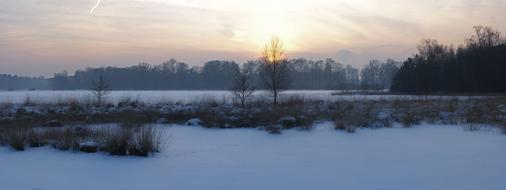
<point x="485" y="37"/>
<point x="100" y="89"/>
<point x="242" y="89"/>
<point x="274" y="69"/>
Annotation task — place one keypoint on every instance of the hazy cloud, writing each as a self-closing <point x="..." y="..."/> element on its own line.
<point x="75" y="33"/>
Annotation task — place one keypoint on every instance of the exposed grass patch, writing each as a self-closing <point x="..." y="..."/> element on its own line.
<point x="220" y="114"/>
<point x="472" y="127"/>
<point x="15" y="138"/>
<point x="132" y="139"/>
<point x="408" y="119"/>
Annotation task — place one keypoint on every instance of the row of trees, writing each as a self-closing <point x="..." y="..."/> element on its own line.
<point x="271" y="73"/>
<point x="219" y="75"/>
<point x="379" y="75"/>
<point x="13" y="82"/>
<point x="477" y="66"/>
<point x="214" y="75"/>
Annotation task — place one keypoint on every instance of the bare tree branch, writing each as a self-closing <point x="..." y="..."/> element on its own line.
<point x="242" y="89"/>
<point x="100" y="89"/>
<point x="274" y="69"/>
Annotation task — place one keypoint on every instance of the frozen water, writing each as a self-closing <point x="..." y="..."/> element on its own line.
<point x="180" y="96"/>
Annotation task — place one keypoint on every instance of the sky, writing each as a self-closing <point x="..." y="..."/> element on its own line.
<point x="41" y="37"/>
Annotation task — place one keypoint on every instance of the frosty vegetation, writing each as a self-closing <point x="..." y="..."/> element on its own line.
<point x="63" y="125"/>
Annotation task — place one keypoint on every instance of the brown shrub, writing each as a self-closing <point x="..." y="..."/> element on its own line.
<point x="129" y="102"/>
<point x="147" y="140"/>
<point x="36" y="138"/>
<point x="210" y="119"/>
<point x="273" y="129"/>
<point x="350" y="129"/>
<point x="264" y="118"/>
<point x="63" y="138"/>
<point x="15" y="137"/>
<point x="472" y="127"/>
<point x="474" y="114"/>
<point x="293" y="101"/>
<point x="117" y="141"/>
<point x="408" y="119"/>
<point x="452" y="105"/>
<point x="347" y="126"/>
<point x="339" y="125"/>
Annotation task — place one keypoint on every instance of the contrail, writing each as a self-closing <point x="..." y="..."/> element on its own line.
<point x="95" y="7"/>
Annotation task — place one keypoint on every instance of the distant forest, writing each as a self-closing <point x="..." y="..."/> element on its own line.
<point x="477" y="66"/>
<point x="218" y="75"/>
<point x="14" y="82"/>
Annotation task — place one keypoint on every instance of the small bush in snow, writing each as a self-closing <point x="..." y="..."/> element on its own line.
<point x="16" y="138"/>
<point x="132" y="140"/>
<point x="35" y="138"/>
<point x="350" y="129"/>
<point x="339" y="125"/>
<point x="288" y="122"/>
<point x="129" y="102"/>
<point x="147" y="140"/>
<point x="472" y="127"/>
<point x="63" y="138"/>
<point x="129" y="139"/>
<point x="345" y="126"/>
<point x="273" y="129"/>
<point x="88" y="146"/>
<point x="452" y="105"/>
<point x="193" y="122"/>
<point x="293" y="101"/>
<point x="305" y="122"/>
<point x="28" y="101"/>
<point x="76" y="106"/>
<point x="117" y="141"/>
<point x="475" y="114"/>
<point x="408" y="119"/>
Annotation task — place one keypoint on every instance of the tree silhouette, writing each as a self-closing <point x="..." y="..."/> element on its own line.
<point x="100" y="89"/>
<point x="274" y="69"/>
<point x="477" y="66"/>
<point x="243" y="88"/>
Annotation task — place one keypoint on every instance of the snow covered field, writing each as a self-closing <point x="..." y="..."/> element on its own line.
<point x="179" y="96"/>
<point x="429" y="157"/>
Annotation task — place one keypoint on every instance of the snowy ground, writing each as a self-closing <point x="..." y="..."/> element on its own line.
<point x="180" y="96"/>
<point x="429" y="157"/>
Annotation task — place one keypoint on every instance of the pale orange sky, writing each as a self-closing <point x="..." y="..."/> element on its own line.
<point x="40" y="37"/>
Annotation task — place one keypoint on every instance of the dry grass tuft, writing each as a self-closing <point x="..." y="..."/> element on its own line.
<point x="15" y="137"/>
<point x="345" y="126"/>
<point x="132" y="139"/>
<point x="408" y="119"/>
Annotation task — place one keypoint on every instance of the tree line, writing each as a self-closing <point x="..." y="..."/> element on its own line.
<point x="14" y="82"/>
<point x="219" y="75"/>
<point x="304" y="74"/>
<point x="476" y="66"/>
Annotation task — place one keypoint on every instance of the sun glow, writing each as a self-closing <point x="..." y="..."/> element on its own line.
<point x="263" y="30"/>
<point x="272" y="19"/>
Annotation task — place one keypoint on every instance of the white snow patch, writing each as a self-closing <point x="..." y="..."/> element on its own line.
<point x="152" y="97"/>
<point x="418" y="158"/>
